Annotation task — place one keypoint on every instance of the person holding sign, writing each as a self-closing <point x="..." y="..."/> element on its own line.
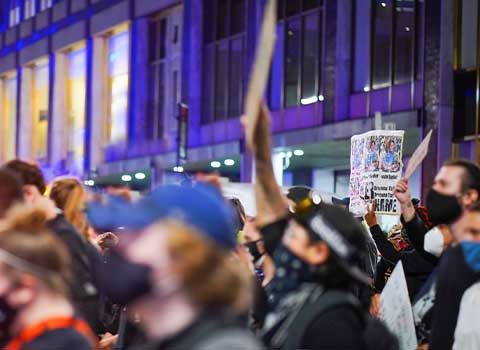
<point x="455" y="190"/>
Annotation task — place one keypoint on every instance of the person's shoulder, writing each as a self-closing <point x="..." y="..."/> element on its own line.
<point x="60" y="339"/>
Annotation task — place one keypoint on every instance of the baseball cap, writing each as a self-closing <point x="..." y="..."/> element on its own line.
<point x="201" y="207"/>
<point x="340" y="231"/>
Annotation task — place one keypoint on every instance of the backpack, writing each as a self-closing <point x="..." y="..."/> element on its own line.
<point x="375" y="333"/>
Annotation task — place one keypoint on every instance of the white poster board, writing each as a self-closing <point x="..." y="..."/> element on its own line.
<point x="396" y="310"/>
<point x="418" y="156"/>
<point x="375" y="169"/>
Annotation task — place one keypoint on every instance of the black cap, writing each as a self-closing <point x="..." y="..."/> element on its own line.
<point x="340" y="231"/>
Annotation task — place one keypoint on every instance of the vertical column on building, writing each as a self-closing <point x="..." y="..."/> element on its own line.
<point x="98" y="104"/>
<point x="139" y="69"/>
<point x="438" y="97"/>
<point x="25" y="108"/>
<point x="330" y="66"/>
<point x="344" y="51"/>
<point x="59" y="127"/>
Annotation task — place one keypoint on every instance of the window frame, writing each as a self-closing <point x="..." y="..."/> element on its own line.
<point x="301" y="15"/>
<point x="212" y="46"/>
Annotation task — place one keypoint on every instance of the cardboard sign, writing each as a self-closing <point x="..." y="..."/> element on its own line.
<point x="261" y="67"/>
<point x="375" y="168"/>
<point x="418" y="156"/>
<point x="396" y="310"/>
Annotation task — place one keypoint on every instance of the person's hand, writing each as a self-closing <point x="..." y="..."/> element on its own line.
<point x="107" y="240"/>
<point x="370" y="216"/>
<point x="375" y="305"/>
<point x="107" y="341"/>
<point x="402" y="192"/>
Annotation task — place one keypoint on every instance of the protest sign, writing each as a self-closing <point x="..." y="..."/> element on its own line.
<point x="375" y="169"/>
<point x="396" y="310"/>
<point x="261" y="67"/>
<point x="418" y="156"/>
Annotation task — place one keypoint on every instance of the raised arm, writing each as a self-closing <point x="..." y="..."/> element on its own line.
<point x="270" y="203"/>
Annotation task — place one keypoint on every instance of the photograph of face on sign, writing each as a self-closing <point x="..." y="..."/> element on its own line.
<point x="390" y="148"/>
<point x="372" y="158"/>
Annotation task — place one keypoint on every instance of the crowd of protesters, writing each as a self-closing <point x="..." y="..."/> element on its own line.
<point x="185" y="268"/>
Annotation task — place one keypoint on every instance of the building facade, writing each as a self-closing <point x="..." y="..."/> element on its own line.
<point x="93" y="87"/>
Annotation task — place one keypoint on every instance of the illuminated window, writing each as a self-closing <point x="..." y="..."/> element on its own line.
<point x="14" y="13"/>
<point x="118" y="70"/>
<point x="9" y="122"/>
<point x="76" y="87"/>
<point x="45" y="4"/>
<point x="29" y="8"/>
<point x="40" y="89"/>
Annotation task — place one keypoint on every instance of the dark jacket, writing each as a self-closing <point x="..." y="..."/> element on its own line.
<point x="454" y="277"/>
<point x="213" y="330"/>
<point x="84" y="293"/>
<point x="417" y="268"/>
<point x="416" y="230"/>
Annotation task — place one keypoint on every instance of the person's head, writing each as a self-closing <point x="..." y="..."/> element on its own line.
<point x="467" y="228"/>
<point x="184" y="247"/>
<point x="70" y="196"/>
<point x="459" y="178"/>
<point x="331" y="241"/>
<point x="34" y="266"/>
<point x="31" y="176"/>
<point x="455" y="189"/>
<point x="372" y="145"/>
<point x="391" y="146"/>
<point x="240" y="213"/>
<point x="183" y="261"/>
<point x="11" y="191"/>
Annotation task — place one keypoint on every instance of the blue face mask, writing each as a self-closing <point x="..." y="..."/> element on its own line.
<point x="471" y="252"/>
<point x="290" y="273"/>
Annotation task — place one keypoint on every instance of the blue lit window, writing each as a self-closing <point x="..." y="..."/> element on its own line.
<point x="45" y="4"/>
<point x="14" y="13"/>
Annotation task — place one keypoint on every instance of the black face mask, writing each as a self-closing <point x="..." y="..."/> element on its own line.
<point x="121" y="280"/>
<point x="253" y="250"/>
<point x="7" y="316"/>
<point x="442" y="209"/>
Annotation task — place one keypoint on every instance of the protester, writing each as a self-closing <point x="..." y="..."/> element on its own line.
<point x="458" y="270"/>
<point x="317" y="254"/>
<point x="394" y="248"/>
<point x="455" y="189"/>
<point x="178" y="274"/>
<point x="35" y="311"/>
<point x="84" y="293"/>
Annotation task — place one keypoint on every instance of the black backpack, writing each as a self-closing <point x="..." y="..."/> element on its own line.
<point x="376" y="334"/>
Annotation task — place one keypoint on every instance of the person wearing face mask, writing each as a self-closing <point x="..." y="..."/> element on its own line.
<point x="455" y="190"/>
<point x="458" y="270"/>
<point x="176" y="270"/>
<point x="35" y="311"/>
<point x="317" y="252"/>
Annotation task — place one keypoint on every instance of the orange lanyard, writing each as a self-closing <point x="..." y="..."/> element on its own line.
<point x="32" y="332"/>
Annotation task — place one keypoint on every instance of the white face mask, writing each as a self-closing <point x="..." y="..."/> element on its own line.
<point x="434" y="242"/>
